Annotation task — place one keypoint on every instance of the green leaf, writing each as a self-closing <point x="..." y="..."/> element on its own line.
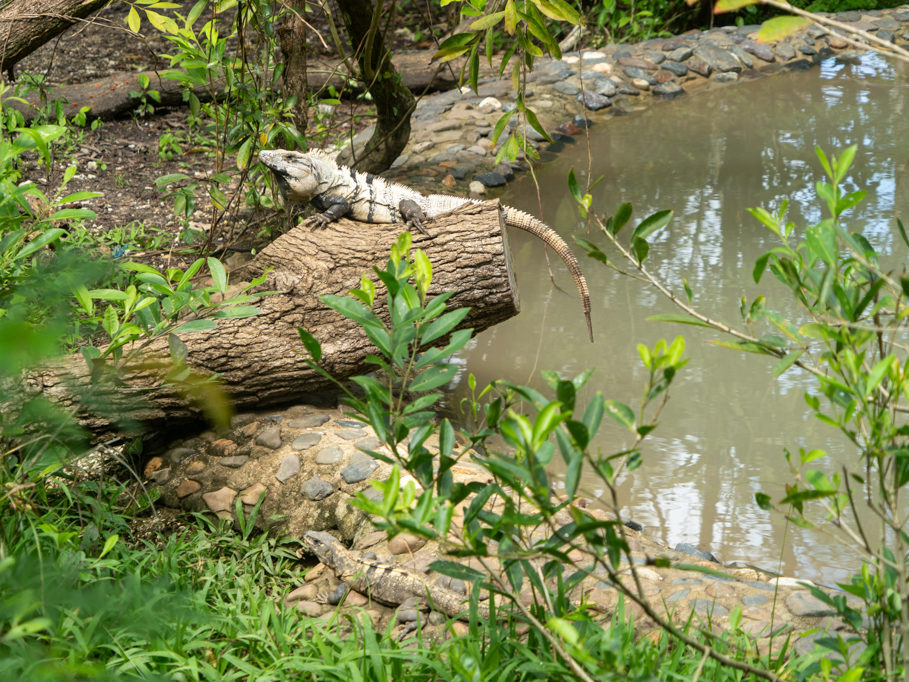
<point x="434" y="377"/>
<point x="457" y="570"/>
<point x="778" y="28"/>
<point x="73" y="214"/>
<point x="763" y="501"/>
<point x="621" y="217"/>
<point x="444" y="324"/>
<point x="620" y="412"/>
<point x="218" y="274"/>
<point x="487" y="21"/>
<point x="677" y="318"/>
<point x="236" y="311"/>
<point x="652" y="223"/>
<point x="723" y="6"/>
<point x="44" y="239"/>
<point x="786" y="362"/>
<point x="133" y="20"/>
<point x="178" y="349"/>
<point x="312" y="345"/>
<point x="196" y="326"/>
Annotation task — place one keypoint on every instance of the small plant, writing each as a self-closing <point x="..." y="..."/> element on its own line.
<point x="144" y="97"/>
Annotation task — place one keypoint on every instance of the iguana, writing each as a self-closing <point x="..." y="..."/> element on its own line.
<point x="339" y="191"/>
<point x="386" y="583"/>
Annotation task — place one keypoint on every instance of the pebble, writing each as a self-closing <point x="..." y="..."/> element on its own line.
<point x="354" y="473"/>
<point x="316" y="489"/>
<point x="188" y="487"/>
<point x="270" y="438"/>
<point x="310" y="609"/>
<point x="491" y="179"/>
<point x="234" y="462"/>
<point x="330" y="455"/>
<point x="252" y="493"/>
<point x="350" y="434"/>
<point x="803" y="603"/>
<point x="405" y="543"/>
<point x="220" y="500"/>
<point x="288" y="468"/>
<point x="306" y="441"/>
<point x="594" y="101"/>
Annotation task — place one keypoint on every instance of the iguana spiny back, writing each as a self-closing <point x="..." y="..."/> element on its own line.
<point x="339" y="191"/>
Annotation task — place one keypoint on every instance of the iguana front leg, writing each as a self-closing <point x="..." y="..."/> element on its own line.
<point x="412" y="214"/>
<point x="333" y="206"/>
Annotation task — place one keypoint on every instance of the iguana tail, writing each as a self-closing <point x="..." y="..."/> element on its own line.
<point x="551" y="238"/>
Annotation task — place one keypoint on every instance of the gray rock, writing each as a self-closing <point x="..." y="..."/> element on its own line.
<point x="406" y="615"/>
<point x="687" y="548"/>
<point x="566" y="88"/>
<point x="784" y="51"/>
<point x="305" y="441"/>
<point x="234" y="461"/>
<point x="807" y="50"/>
<point x="336" y="596"/>
<point x="350" y="434"/>
<point x="310" y="609"/>
<point x="370" y="443"/>
<point x="760" y="50"/>
<point x="849" y="16"/>
<point x="699" y="66"/>
<point x="885" y="34"/>
<point x="675" y="68"/>
<point x="330" y="455"/>
<point x="718" y="58"/>
<point x="359" y="471"/>
<point x="270" y="437"/>
<point x="634" y="72"/>
<point x="803" y="604"/>
<point x="239" y="420"/>
<point x="594" y="101"/>
<point x="754" y="599"/>
<point x="800" y="65"/>
<point x="676" y="596"/>
<point x="350" y="423"/>
<point x="308" y="421"/>
<point x="316" y="489"/>
<point x="492" y="179"/>
<point x="655" y="57"/>
<point x="681" y="54"/>
<point x="372" y="494"/>
<point x="668" y="90"/>
<point x="605" y="87"/>
<point x="630" y="90"/>
<point x="288" y="468"/>
<point x="726" y="77"/>
<point x="687" y="581"/>
<point x="177" y="455"/>
<point x="742" y="56"/>
<point x="709" y="607"/>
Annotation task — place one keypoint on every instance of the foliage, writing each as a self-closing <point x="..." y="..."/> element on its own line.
<point x="629" y="21"/>
<point x="243" y="108"/>
<point x="545" y="542"/>
<point x="849" y="333"/>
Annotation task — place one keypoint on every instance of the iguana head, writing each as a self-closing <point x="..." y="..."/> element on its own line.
<point x="300" y="176"/>
<point x="320" y="543"/>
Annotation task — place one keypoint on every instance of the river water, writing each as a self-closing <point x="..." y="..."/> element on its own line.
<point x="708" y="157"/>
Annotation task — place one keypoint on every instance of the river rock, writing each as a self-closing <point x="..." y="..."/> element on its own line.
<point x="594" y="101"/>
<point x="316" y="489"/>
<point x="270" y="438"/>
<point x="305" y="441"/>
<point x="288" y="468"/>
<point x="330" y="455"/>
<point x="668" y="90"/>
<point x="718" y="58"/>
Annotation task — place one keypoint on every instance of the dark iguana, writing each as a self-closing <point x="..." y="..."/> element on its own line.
<point x="386" y="583"/>
<point x="339" y="191"/>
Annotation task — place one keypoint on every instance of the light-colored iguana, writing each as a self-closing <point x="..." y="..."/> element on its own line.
<point x="339" y="191"/>
<point x="386" y="583"/>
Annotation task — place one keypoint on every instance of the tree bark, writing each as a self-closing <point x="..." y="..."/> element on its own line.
<point x="394" y="101"/>
<point x="25" y="25"/>
<point x="291" y="32"/>
<point x="259" y="360"/>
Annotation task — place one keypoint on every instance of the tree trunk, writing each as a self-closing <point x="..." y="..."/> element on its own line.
<point x="292" y="40"/>
<point x="25" y="25"/>
<point x="394" y="101"/>
<point x="259" y="359"/>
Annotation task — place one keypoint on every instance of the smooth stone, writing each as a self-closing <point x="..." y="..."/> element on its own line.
<point x="784" y="51"/>
<point x="305" y="441"/>
<point x="626" y="89"/>
<point x="635" y="73"/>
<point x="675" y="68"/>
<point x="594" y="101"/>
<point x="373" y="495"/>
<point x="718" y="58"/>
<point x="742" y="56"/>
<point x="195" y="468"/>
<point x="709" y="607"/>
<point x="350" y="434"/>
<point x="655" y="57"/>
<point x="370" y="443"/>
<point x="188" y="487"/>
<point x="337" y="595"/>
<point x="240" y="420"/>
<point x="489" y="105"/>
<point x="306" y="592"/>
<point x="676" y="596"/>
<point x="720" y="590"/>
<point x="288" y="468"/>
<point x="405" y="543"/>
<point x="308" y="421"/>
<point x="807" y="50"/>
<point x="220" y="500"/>
<point x="354" y="473"/>
<point x="270" y="438"/>
<point x="222" y="447"/>
<point x="699" y="66"/>
<point x="636" y="63"/>
<point x="177" y="455"/>
<point x="330" y="455"/>
<point x="754" y="599"/>
<point x="476" y="188"/>
<point x="233" y="462"/>
<point x="252" y="494"/>
<point x="760" y="50"/>
<point x="669" y="90"/>
<point x="310" y="609"/>
<point x="726" y="77"/>
<point x="316" y="489"/>
<point x="492" y="179"/>
<point x="681" y="54"/>
<point x="885" y="34"/>
<point x="350" y="423"/>
<point x="804" y="604"/>
<point x="800" y="65"/>
<point x="605" y="87"/>
<point x="687" y="548"/>
<point x="566" y="88"/>
<point x="641" y="83"/>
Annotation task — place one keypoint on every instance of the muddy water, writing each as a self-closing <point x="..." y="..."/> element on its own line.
<point x="709" y="157"/>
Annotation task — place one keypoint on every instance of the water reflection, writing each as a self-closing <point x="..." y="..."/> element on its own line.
<point x="709" y="158"/>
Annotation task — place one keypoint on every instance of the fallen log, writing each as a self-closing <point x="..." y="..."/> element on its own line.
<point x="259" y="360"/>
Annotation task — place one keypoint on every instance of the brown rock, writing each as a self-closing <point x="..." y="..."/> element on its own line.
<point x="720" y="590"/>
<point x="195" y="468"/>
<point x="354" y="598"/>
<point x="306" y="592"/>
<point x="188" y="487"/>
<point x="222" y="447"/>
<point x="449" y="181"/>
<point x="250" y="429"/>
<point x="313" y="573"/>
<point x="153" y="465"/>
<point x="251" y="494"/>
<point x="309" y="608"/>
<point x="220" y="500"/>
<point x="405" y="543"/>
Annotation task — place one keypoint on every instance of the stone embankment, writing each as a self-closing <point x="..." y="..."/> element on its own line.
<point x="306" y="463"/>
